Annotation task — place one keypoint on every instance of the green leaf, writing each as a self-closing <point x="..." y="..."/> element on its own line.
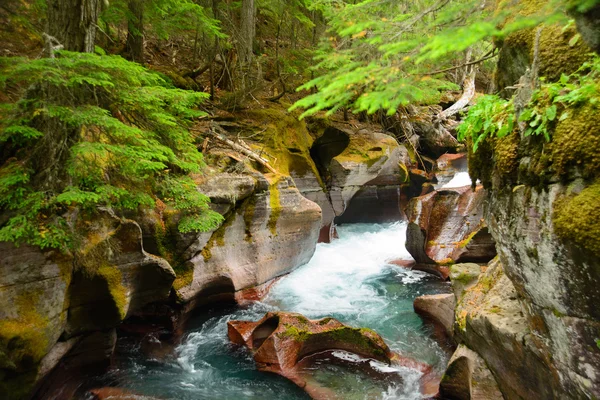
<point x="551" y="112"/>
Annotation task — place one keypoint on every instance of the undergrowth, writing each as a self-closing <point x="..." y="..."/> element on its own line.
<point x="83" y="131"/>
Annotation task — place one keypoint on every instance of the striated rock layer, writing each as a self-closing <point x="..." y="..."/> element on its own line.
<point x="447" y="226"/>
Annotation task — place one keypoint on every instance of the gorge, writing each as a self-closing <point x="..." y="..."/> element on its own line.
<point x="420" y="222"/>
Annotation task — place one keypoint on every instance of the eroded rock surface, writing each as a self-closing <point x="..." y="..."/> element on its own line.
<point x="439" y="308"/>
<point x="447" y="226"/>
<point x="270" y="234"/>
<point x="468" y="378"/>
<point x="282" y="343"/>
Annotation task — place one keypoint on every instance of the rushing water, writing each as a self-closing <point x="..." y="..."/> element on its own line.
<point x="350" y="279"/>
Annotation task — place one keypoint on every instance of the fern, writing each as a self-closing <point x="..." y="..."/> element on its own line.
<point x="552" y="102"/>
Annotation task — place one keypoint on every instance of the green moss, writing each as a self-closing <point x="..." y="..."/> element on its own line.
<point x="184" y="275"/>
<point x="275" y="207"/>
<point x="598" y="343"/>
<point x="295" y="333"/>
<point x="206" y="252"/>
<point x="576" y="142"/>
<point x="23" y="340"/>
<point x="556" y="54"/>
<point x="249" y="217"/>
<point x="302" y="319"/>
<point x="404" y="175"/>
<point x="17" y="387"/>
<point x="285" y="141"/>
<point x="358" y="337"/>
<point x="577" y="219"/>
<point x="506" y="152"/>
<point x="488" y="281"/>
<point x="464" y="243"/>
<point x="463" y="276"/>
<point x="480" y="166"/>
<point x="325" y="321"/>
<point x="113" y="277"/>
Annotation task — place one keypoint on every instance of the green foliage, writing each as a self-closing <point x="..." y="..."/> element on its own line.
<point x="384" y="54"/>
<point x="489" y="116"/>
<point x="166" y="18"/>
<point x="551" y="103"/>
<point x="93" y="131"/>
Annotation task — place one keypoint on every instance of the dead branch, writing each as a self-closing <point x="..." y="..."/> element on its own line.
<point x="51" y="44"/>
<point x="486" y="57"/>
<point x="465" y="99"/>
<point x="217" y="132"/>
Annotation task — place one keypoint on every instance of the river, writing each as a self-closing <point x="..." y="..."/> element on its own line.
<point x="350" y="279"/>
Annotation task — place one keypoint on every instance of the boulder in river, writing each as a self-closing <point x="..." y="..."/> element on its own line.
<point x="447" y="226"/>
<point x="283" y="343"/>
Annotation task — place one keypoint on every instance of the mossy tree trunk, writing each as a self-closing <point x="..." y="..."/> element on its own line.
<point x="73" y="23"/>
<point x="135" y="31"/>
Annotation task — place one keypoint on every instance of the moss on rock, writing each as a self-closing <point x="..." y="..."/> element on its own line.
<point x="24" y="342"/>
<point x="275" y="207"/>
<point x="577" y="219"/>
<point x="506" y="153"/>
<point x="576" y="142"/>
<point x="113" y="277"/>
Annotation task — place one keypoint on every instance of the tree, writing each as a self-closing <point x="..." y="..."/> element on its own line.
<point x="85" y="132"/>
<point x="247" y="30"/>
<point x="73" y="23"/>
<point x="135" y="31"/>
<point x="385" y="54"/>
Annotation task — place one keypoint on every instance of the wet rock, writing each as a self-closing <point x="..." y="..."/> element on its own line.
<point x="439" y="308"/>
<point x="408" y="264"/>
<point x="468" y="378"/>
<point x="268" y="235"/>
<point x="447" y="226"/>
<point x="283" y="343"/>
<point x="447" y="166"/>
<point x="256" y="293"/>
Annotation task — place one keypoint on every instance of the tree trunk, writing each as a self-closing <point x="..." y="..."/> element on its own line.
<point x="247" y="30"/>
<point x="135" y="31"/>
<point x="73" y="23"/>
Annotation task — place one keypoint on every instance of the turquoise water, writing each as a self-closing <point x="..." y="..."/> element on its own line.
<point x="349" y="279"/>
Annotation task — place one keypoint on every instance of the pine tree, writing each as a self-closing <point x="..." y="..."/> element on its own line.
<point x="88" y="131"/>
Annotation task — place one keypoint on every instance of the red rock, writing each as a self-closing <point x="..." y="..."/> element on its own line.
<point x="256" y="293"/>
<point x="447" y="226"/>
<point x="402" y="263"/>
<point x="115" y="393"/>
<point x="284" y="343"/>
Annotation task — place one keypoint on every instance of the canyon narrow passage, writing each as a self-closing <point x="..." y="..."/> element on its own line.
<point x="350" y="279"/>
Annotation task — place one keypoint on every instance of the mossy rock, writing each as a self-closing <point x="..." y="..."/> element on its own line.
<point x="576" y="219"/>
<point x="576" y="142"/>
<point x="557" y="53"/>
<point x="284" y="140"/>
